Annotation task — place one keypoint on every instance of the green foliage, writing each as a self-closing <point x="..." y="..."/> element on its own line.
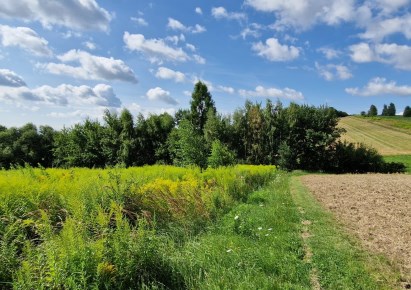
<point x="311" y="134"/>
<point x="407" y="112"/>
<point x="105" y="229"/>
<point x="404" y="159"/>
<point x="388" y="111"/>
<point x="188" y="147"/>
<point x="372" y="111"/>
<point x="296" y="137"/>
<point x="26" y="145"/>
<point x="220" y="155"/>
<point x="340" y="114"/>
<point x="201" y="103"/>
<point x="359" y="158"/>
<point x="391" y="110"/>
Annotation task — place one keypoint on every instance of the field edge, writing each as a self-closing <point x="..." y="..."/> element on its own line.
<point x="334" y="248"/>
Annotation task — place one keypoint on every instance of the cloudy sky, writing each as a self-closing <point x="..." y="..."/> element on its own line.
<point x="63" y="61"/>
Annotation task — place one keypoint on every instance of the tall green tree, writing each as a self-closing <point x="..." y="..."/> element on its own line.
<point x="27" y="148"/>
<point x="372" y="112"/>
<point x="110" y="141"/>
<point x="7" y="152"/>
<point x="312" y="133"/>
<point x="384" y="110"/>
<point x="47" y="135"/>
<point x="151" y="136"/>
<point x="391" y="111"/>
<point x="187" y="146"/>
<point x="80" y="146"/>
<point x="255" y="133"/>
<point x="127" y="140"/>
<point x="220" y="155"/>
<point x="201" y="103"/>
<point x="407" y="112"/>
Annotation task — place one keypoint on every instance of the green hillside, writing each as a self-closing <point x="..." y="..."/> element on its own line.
<point x="389" y="135"/>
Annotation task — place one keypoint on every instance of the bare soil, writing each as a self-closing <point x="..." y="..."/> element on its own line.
<point x="375" y="207"/>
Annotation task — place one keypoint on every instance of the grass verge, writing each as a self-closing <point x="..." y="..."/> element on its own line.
<point x="339" y="261"/>
<point x="256" y="246"/>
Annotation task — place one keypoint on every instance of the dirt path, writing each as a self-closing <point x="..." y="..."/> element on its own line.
<point x="376" y="207"/>
<point x="305" y="234"/>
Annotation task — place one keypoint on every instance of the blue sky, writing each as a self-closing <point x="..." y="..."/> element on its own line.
<point x="64" y="61"/>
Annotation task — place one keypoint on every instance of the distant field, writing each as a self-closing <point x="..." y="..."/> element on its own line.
<point x="389" y="135"/>
<point x="406" y="159"/>
<point x="398" y="122"/>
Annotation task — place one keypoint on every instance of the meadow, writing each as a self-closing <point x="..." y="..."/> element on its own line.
<point x="389" y="135"/>
<point x="164" y="227"/>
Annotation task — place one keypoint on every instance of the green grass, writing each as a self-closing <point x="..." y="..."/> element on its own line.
<point x="172" y="228"/>
<point x="398" y="122"/>
<point x="337" y="256"/>
<point x="237" y="254"/>
<point x="379" y="133"/>
<point x="406" y="159"/>
<point x="256" y="246"/>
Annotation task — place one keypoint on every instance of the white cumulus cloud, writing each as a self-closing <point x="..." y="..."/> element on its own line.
<point x="285" y="93"/>
<point x="9" y="78"/>
<point x="158" y="94"/>
<point x="140" y="21"/>
<point x="169" y="74"/>
<point x="156" y="49"/>
<point x="90" y="45"/>
<point x="380" y="86"/>
<point x="91" y="67"/>
<point x="25" y="38"/>
<point x="228" y="90"/>
<point x="393" y="54"/>
<point x="304" y="14"/>
<point x="177" y="25"/>
<point x="378" y="29"/>
<point x="198" y="10"/>
<point x="274" y="51"/>
<point x="332" y="71"/>
<point x="74" y="14"/>
<point x="222" y="13"/>
<point x="329" y="53"/>
<point x="63" y="95"/>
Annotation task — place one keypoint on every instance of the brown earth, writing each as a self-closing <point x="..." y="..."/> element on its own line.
<point x="375" y="207"/>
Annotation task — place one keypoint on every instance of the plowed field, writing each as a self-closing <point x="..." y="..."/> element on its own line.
<point x="375" y="207"/>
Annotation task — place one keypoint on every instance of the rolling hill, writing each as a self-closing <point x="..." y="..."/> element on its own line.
<point x="389" y="135"/>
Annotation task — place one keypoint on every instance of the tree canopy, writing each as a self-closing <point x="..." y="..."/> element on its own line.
<point x="294" y="137"/>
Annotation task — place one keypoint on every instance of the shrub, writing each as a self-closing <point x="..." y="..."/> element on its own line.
<point x="359" y="158"/>
<point x="220" y="155"/>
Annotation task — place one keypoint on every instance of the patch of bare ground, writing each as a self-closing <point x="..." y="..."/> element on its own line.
<point x="305" y="234"/>
<point x="376" y="207"/>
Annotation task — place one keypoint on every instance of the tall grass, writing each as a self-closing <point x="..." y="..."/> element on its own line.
<point x="115" y="228"/>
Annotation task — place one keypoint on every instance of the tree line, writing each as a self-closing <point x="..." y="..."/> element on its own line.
<point x="386" y="111"/>
<point x="294" y="137"/>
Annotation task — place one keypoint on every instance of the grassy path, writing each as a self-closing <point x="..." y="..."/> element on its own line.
<point x="280" y="238"/>
<point x="337" y="259"/>
<point x="386" y="139"/>
<point x="258" y="245"/>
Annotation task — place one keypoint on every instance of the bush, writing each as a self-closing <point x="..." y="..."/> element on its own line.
<point x="220" y="155"/>
<point x="359" y="158"/>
